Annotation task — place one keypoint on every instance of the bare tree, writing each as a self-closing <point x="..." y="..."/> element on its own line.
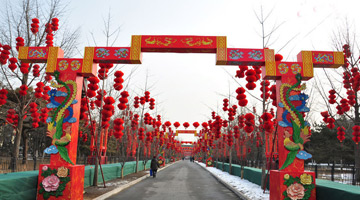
<point x="16" y="20"/>
<point x="344" y="39"/>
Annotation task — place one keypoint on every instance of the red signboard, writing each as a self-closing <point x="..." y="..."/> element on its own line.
<point x="178" y="44"/>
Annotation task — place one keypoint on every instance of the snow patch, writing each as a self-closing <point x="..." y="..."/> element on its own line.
<point x="251" y="190"/>
<point x="116" y="183"/>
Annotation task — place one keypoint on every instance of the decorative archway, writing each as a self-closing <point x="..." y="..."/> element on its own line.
<point x="71" y="71"/>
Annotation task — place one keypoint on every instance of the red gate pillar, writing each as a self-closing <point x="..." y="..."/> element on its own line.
<point x="62" y="178"/>
<point x="291" y="181"/>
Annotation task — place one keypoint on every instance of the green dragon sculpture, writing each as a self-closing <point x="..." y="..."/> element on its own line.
<point x="55" y="127"/>
<point x="300" y="130"/>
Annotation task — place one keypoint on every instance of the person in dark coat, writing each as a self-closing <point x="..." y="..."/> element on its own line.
<point x="154" y="166"/>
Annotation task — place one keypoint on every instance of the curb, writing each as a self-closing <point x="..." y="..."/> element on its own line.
<point x="230" y="187"/>
<point x="119" y="189"/>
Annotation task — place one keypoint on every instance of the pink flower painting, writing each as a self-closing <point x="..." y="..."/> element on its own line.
<point x="295" y="191"/>
<point x="51" y="183"/>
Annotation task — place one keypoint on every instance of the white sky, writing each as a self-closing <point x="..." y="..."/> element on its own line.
<point x="188" y="85"/>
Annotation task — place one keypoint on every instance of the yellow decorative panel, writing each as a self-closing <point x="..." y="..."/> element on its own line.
<point x="135" y="50"/>
<point x="88" y="60"/>
<point x="52" y="59"/>
<point x="338" y="59"/>
<point x="307" y="64"/>
<point x="270" y="65"/>
<point x="23" y="53"/>
<point x="221" y="50"/>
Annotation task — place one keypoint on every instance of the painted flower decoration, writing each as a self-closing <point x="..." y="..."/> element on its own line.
<point x="286" y="176"/>
<point x="62" y="172"/>
<point x="44" y="168"/>
<point x="51" y="183"/>
<point x="306" y="179"/>
<point x="295" y="191"/>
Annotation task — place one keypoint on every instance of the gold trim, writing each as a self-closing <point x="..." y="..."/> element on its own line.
<point x="270" y="65"/>
<point x="52" y="59"/>
<point x="221" y="50"/>
<point x="308" y="66"/>
<point x="23" y="53"/>
<point x="135" y="50"/>
<point x="338" y="59"/>
<point x="88" y="60"/>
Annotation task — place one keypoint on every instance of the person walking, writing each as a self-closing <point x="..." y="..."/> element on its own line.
<point x="154" y="166"/>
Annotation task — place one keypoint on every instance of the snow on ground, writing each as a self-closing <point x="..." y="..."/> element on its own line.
<point x="251" y="190"/>
<point x="117" y="183"/>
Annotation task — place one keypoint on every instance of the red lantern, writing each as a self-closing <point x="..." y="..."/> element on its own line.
<point x="45" y="95"/>
<point x="123" y="100"/>
<point x="241" y="97"/>
<point x="249" y="123"/>
<point x="92" y="86"/>
<point x="330" y="122"/>
<point x="332" y="97"/>
<point x="19" y="42"/>
<point x="251" y="78"/>
<point x="35" y="25"/>
<point x="167" y="123"/>
<point x="177" y="125"/>
<point x="12" y="66"/>
<point x="4" y="55"/>
<point x="152" y="103"/>
<point x="241" y="72"/>
<point x="278" y="57"/>
<point x="39" y="90"/>
<point x="225" y="104"/>
<point x="118" y="80"/>
<point x="24" y="68"/>
<point x="186" y="125"/>
<point x="196" y="124"/>
<point x="341" y="134"/>
<point x="23" y="90"/>
<point x="108" y="111"/>
<point x="54" y="24"/>
<point x="34" y="114"/>
<point x="356" y="134"/>
<point x="273" y="94"/>
<point x="3" y="96"/>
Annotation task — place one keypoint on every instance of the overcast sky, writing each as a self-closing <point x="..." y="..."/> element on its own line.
<point x="188" y="86"/>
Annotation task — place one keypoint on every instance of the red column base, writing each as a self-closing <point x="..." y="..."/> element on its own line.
<point x="278" y="188"/>
<point x="55" y="185"/>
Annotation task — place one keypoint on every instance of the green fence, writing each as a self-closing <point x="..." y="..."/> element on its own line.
<point x="324" y="189"/>
<point x="22" y="185"/>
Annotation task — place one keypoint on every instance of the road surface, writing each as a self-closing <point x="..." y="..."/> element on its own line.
<point x="183" y="180"/>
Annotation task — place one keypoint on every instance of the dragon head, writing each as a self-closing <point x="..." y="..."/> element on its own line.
<point x="298" y="77"/>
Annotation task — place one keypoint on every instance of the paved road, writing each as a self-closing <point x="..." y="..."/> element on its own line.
<point x="181" y="181"/>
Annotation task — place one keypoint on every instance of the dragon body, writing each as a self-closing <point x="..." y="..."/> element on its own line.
<point x="54" y="104"/>
<point x="55" y="126"/>
<point x="295" y="142"/>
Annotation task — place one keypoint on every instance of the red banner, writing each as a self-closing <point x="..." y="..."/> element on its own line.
<point x="185" y="131"/>
<point x="178" y="44"/>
